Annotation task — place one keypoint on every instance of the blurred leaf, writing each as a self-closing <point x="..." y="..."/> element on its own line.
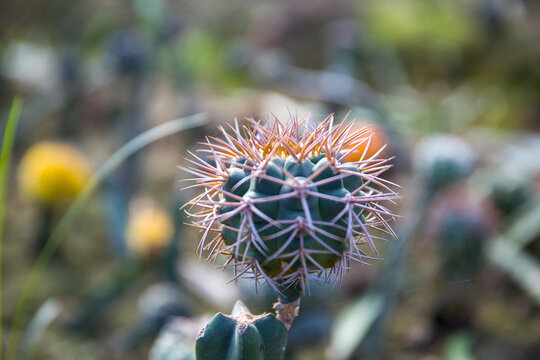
<point x="43" y="318"/>
<point x="176" y="342"/>
<point x="506" y="252"/>
<point x="518" y="265"/>
<point x="423" y="25"/>
<point x="131" y="147"/>
<point x="151" y="13"/>
<point x="458" y="347"/>
<point x="5" y="160"/>
<point x="352" y="324"/>
<point x="201" y="55"/>
<point x="171" y="346"/>
<point x="526" y="226"/>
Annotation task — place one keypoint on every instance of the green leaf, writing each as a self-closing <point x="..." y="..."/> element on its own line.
<point x="352" y="325"/>
<point x="43" y="318"/>
<point x="458" y="347"/>
<point x="5" y="160"/>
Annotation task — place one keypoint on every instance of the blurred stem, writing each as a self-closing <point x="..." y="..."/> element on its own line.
<point x="173" y="253"/>
<point x="169" y="260"/>
<point x="46" y="214"/>
<point x="391" y="276"/>
<point x="121" y="185"/>
<point x="5" y="160"/>
<point x="76" y="207"/>
<point x="123" y="275"/>
<point x="116" y="209"/>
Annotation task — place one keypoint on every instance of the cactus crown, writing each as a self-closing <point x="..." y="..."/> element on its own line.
<point x="242" y="335"/>
<point x="284" y="204"/>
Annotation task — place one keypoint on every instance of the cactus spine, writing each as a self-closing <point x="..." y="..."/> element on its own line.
<point x="284" y="204"/>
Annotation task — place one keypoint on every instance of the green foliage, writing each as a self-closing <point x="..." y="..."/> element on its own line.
<point x="200" y="56"/>
<point x="420" y="24"/>
<point x="5" y="160"/>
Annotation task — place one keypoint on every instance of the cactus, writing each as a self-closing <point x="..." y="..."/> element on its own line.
<point x="442" y="160"/>
<point x="242" y="335"/>
<point x="284" y="202"/>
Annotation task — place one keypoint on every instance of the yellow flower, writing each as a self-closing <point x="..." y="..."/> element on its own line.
<point x="149" y="231"/>
<point x="53" y="173"/>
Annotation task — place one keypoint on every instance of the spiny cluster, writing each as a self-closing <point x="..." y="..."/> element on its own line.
<point x="284" y="204"/>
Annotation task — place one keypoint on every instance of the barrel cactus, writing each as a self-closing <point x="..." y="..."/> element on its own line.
<point x="286" y="204"/>
<point x="242" y="335"/>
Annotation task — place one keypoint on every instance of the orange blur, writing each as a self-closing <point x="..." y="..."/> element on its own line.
<point x="378" y="140"/>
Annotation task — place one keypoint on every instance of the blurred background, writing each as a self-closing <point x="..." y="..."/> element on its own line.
<point x="452" y="86"/>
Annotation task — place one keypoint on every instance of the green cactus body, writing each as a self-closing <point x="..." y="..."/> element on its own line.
<point x="287" y="205"/>
<point x="443" y="160"/>
<point x="242" y="336"/>
<point x="273" y="216"/>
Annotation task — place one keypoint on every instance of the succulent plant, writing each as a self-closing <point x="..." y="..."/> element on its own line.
<point x="285" y="204"/>
<point x="443" y="160"/>
<point x="242" y="335"/>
